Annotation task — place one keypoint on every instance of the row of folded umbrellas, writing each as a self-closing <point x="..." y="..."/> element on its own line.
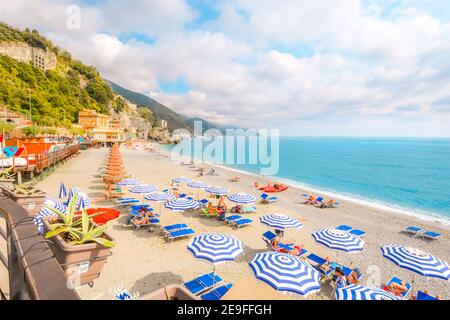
<point x="115" y="170"/>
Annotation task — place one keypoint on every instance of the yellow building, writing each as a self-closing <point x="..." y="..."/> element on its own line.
<point x="108" y="134"/>
<point x="90" y="119"/>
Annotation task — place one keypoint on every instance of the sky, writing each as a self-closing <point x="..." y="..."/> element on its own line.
<point x="309" y="68"/>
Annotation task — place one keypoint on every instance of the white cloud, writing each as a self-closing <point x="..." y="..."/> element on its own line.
<point x="361" y="68"/>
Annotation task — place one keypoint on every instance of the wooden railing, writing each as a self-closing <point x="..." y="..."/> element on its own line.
<point x="33" y="271"/>
<point x="44" y="161"/>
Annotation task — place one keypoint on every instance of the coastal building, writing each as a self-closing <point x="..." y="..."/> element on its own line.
<point x="43" y="59"/>
<point x="90" y="119"/>
<point x="100" y="127"/>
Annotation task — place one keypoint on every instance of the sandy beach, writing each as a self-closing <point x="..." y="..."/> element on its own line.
<point x="143" y="261"/>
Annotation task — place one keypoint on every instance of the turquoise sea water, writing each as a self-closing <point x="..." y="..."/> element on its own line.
<point x="407" y="175"/>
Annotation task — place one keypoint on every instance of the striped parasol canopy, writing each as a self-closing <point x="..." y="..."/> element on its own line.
<point x="280" y="221"/>
<point x="129" y="182"/>
<point x="338" y="240"/>
<point x="182" y="180"/>
<point x="284" y="272"/>
<point x="83" y="201"/>
<point x="215" y="248"/>
<point x="182" y="204"/>
<point x="417" y="261"/>
<point x="358" y="292"/>
<point x="160" y="197"/>
<point x="219" y="191"/>
<point x="144" y="188"/>
<point x="62" y="190"/>
<point x="46" y="212"/>
<point x="242" y="198"/>
<point x="73" y="191"/>
<point x="197" y="185"/>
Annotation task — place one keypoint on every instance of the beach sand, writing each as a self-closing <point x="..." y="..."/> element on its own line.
<point x="143" y="261"/>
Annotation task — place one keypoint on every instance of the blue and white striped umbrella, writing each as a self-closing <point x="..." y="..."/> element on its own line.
<point x="46" y="212"/>
<point x="220" y="191"/>
<point x="417" y="261"/>
<point x="160" y="197"/>
<point x="197" y="185"/>
<point x="73" y="191"/>
<point x="182" y="180"/>
<point x="144" y="188"/>
<point x="129" y="182"/>
<point x="215" y="247"/>
<point x="286" y="273"/>
<point x="182" y="204"/>
<point x="280" y="221"/>
<point x="242" y="198"/>
<point x="62" y="190"/>
<point x="338" y="240"/>
<point x="358" y="292"/>
<point x="83" y="201"/>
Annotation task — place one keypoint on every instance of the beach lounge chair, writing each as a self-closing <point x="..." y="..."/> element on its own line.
<point x="218" y="293"/>
<point x="358" y="233"/>
<point x="183" y="195"/>
<point x="232" y="218"/>
<point x="173" y="227"/>
<point x="139" y="207"/>
<point x="268" y="237"/>
<point x="151" y="222"/>
<point x="248" y="210"/>
<point x="241" y="223"/>
<point x="344" y="227"/>
<point x="265" y="198"/>
<point x="430" y="235"/>
<point x="126" y="202"/>
<point x="413" y="230"/>
<point x="203" y="202"/>
<point x="317" y="263"/>
<point x="178" y="234"/>
<point x="399" y="281"/>
<point x="423" y="296"/>
<point x="203" y="283"/>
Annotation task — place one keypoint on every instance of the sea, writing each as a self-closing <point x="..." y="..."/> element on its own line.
<point x="407" y="176"/>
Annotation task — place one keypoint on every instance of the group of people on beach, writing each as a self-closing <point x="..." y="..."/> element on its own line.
<point x="312" y="200"/>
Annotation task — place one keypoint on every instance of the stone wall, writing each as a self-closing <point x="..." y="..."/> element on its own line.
<point x="22" y="52"/>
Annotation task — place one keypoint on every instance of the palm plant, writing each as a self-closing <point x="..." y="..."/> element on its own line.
<point x="79" y="230"/>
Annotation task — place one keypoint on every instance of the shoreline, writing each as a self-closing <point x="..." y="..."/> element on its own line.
<point x="421" y="215"/>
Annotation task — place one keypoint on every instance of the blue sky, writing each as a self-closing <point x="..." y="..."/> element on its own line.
<point x="332" y="68"/>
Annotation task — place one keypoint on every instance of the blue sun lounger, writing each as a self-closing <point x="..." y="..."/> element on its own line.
<point x="241" y="223"/>
<point x="232" y="218"/>
<point x="174" y="227"/>
<point x="180" y="233"/>
<point x="430" y="235"/>
<point x="413" y="230"/>
<point x="268" y="237"/>
<point x="139" y="206"/>
<point x="265" y="198"/>
<point x="423" y="296"/>
<point x="127" y="202"/>
<point x="218" y="293"/>
<point x="204" y="203"/>
<point x="344" y="227"/>
<point x="203" y="283"/>
<point x="249" y="210"/>
<point x="399" y="281"/>
<point x="319" y="261"/>
<point x="358" y="233"/>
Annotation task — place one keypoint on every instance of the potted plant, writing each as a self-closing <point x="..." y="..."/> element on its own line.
<point x="81" y="246"/>
<point x="27" y="196"/>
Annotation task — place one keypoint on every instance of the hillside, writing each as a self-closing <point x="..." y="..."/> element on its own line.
<point x="174" y="120"/>
<point x="56" y="95"/>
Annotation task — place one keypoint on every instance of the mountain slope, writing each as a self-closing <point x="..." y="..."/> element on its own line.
<point x="160" y="111"/>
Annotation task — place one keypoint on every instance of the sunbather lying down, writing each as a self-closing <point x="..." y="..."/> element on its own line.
<point x="296" y="251"/>
<point x="311" y="200"/>
<point x="327" y="204"/>
<point x="396" y="288"/>
<point x="353" y="277"/>
<point x="143" y="217"/>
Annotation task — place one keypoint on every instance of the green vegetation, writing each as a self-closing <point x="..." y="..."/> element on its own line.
<point x="147" y="114"/>
<point x="119" y="104"/>
<point x="56" y="95"/>
<point x="6" y="127"/>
